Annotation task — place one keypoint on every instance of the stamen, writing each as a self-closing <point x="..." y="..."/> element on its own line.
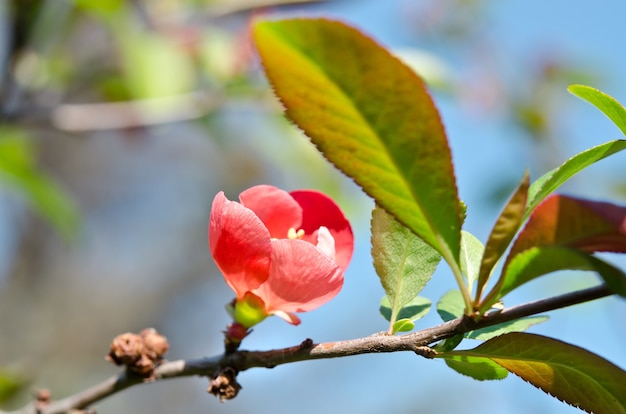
<point x="293" y="234"/>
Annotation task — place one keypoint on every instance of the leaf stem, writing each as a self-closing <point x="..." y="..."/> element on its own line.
<point x="458" y="276"/>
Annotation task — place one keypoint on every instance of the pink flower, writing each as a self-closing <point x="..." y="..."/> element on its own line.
<point x="280" y="252"/>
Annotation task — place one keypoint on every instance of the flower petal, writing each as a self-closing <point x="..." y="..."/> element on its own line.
<point x="290" y="317"/>
<point x="302" y="278"/>
<point x="275" y="207"/>
<point x="240" y="244"/>
<point x="320" y="210"/>
<point x="325" y="242"/>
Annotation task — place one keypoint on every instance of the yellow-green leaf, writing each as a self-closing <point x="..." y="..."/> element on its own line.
<point x="569" y="373"/>
<point x="371" y="116"/>
<point x="610" y="106"/>
<point x="403" y="261"/>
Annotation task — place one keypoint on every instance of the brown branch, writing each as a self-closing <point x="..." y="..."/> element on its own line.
<point x="242" y="360"/>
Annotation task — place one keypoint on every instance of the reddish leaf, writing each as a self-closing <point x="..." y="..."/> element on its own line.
<point x="561" y="234"/>
<point x="590" y="226"/>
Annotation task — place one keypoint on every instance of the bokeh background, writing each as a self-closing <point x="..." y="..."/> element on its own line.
<point x="121" y="119"/>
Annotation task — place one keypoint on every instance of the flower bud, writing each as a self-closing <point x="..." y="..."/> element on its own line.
<point x="155" y="344"/>
<point x="126" y="349"/>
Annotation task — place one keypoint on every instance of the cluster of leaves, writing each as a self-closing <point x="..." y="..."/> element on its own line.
<point x="372" y="117"/>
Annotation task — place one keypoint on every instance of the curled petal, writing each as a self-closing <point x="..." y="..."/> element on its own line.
<point x="301" y="279"/>
<point x="320" y="210"/>
<point x="240" y="244"/>
<point x="326" y="242"/>
<point x="275" y="207"/>
<point x="290" y="317"/>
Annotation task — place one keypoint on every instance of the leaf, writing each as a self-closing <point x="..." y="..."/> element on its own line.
<point x="403" y="261"/>
<point x="558" y="236"/>
<point x="371" y="116"/>
<point x="569" y="373"/>
<point x="403" y="325"/>
<point x="553" y="179"/>
<point x="18" y="170"/>
<point x="610" y="106"/>
<point x="590" y="226"/>
<point x="538" y="261"/>
<point x="414" y="310"/>
<point x="503" y="231"/>
<point x="451" y="306"/>
<point x="480" y="369"/>
<point x="517" y="325"/>
<point x="472" y="251"/>
<point x="10" y="384"/>
<point x="448" y="344"/>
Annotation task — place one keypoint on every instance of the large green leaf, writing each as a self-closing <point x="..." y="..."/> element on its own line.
<point x="567" y="372"/>
<point x="503" y="231"/>
<point x="371" y="116"/>
<point x="403" y="261"/>
<point x="550" y="181"/>
<point x="614" y="110"/>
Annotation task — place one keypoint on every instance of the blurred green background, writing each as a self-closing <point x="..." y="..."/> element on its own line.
<point x="121" y="119"/>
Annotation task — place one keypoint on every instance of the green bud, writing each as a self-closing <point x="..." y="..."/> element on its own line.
<point x="250" y="310"/>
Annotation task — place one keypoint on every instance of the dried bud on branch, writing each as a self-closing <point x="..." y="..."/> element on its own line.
<point x="140" y="353"/>
<point x="224" y="384"/>
<point x="126" y="349"/>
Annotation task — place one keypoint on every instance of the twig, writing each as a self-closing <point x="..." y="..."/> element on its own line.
<point x="307" y="350"/>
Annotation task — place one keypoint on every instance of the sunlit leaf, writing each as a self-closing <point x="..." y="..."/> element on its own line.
<point x="567" y="372"/>
<point x="503" y="231"/>
<point x="614" y="110"/>
<point x="472" y="251"/>
<point x="403" y="261"/>
<point x="371" y="116"/>
<point x="550" y="181"/>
